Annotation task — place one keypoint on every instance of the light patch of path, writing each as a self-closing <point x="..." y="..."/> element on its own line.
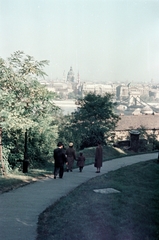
<point x="106" y="190"/>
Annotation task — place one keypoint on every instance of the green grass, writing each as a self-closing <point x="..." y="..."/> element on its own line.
<point x="17" y="179"/>
<point x="132" y="214"/>
<point x="108" y="153"/>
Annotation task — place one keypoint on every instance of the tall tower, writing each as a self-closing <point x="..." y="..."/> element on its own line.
<point x="78" y="79"/>
<point x="64" y="77"/>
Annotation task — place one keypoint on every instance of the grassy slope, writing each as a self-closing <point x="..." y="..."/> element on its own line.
<point x="17" y="179"/>
<point x="108" y="153"/>
<point x="131" y="214"/>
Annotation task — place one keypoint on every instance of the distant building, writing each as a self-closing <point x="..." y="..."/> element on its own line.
<point x="122" y="92"/>
<point x="64" y="77"/>
<point x="98" y="88"/>
<point x="147" y="110"/>
<point x="71" y="76"/>
<point x="127" y="123"/>
<point x="137" y="111"/>
<point x="129" y="95"/>
<point x="154" y="93"/>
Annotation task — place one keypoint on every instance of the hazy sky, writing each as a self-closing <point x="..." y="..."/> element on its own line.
<point x="105" y="40"/>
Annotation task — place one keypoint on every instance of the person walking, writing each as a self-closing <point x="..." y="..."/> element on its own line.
<point x="60" y="160"/>
<point x="98" y="157"/>
<point x="71" y="156"/>
<point x="81" y="161"/>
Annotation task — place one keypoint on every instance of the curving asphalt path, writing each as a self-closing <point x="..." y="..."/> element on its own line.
<point x="20" y="208"/>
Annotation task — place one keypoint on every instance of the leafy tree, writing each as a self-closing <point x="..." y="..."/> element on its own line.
<point x="93" y="121"/>
<point x="25" y="104"/>
<point x="151" y="142"/>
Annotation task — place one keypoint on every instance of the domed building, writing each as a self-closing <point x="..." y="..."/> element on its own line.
<point x="147" y="110"/>
<point x="71" y="76"/>
<point x="137" y="111"/>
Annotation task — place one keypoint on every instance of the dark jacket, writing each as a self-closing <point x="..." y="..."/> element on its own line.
<point x="71" y="155"/>
<point x="80" y="161"/>
<point x="59" y="156"/>
<point x="98" y="156"/>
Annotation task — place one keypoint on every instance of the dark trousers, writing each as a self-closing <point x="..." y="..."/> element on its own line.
<point x="59" y="170"/>
<point x="80" y="168"/>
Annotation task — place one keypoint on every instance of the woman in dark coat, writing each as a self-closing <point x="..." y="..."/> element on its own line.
<point x="80" y="161"/>
<point x="71" y="156"/>
<point x="98" y="157"/>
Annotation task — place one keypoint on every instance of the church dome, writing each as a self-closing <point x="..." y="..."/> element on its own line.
<point x="70" y="75"/>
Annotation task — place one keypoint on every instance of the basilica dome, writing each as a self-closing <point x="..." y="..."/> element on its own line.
<point x="70" y="76"/>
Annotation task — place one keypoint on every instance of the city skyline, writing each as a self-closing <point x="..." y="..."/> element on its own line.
<point x="103" y="40"/>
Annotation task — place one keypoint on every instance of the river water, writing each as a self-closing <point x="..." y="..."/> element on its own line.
<point x="67" y="106"/>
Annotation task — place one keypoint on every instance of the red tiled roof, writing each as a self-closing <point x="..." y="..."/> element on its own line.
<point x="134" y="122"/>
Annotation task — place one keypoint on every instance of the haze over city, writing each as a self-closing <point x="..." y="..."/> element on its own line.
<point x="103" y="40"/>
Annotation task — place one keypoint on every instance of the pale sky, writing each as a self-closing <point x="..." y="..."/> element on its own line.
<point x="105" y="40"/>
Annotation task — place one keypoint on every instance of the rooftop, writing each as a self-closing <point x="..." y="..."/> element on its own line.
<point x="134" y="122"/>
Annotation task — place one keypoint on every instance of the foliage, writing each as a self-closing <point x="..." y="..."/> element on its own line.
<point x="25" y="104"/>
<point x="93" y="121"/>
<point x="156" y="144"/>
<point x="151" y="138"/>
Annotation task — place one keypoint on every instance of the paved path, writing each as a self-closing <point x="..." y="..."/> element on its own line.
<point x="20" y="208"/>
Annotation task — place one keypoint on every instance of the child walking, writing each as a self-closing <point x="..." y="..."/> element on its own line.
<point x="80" y="161"/>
